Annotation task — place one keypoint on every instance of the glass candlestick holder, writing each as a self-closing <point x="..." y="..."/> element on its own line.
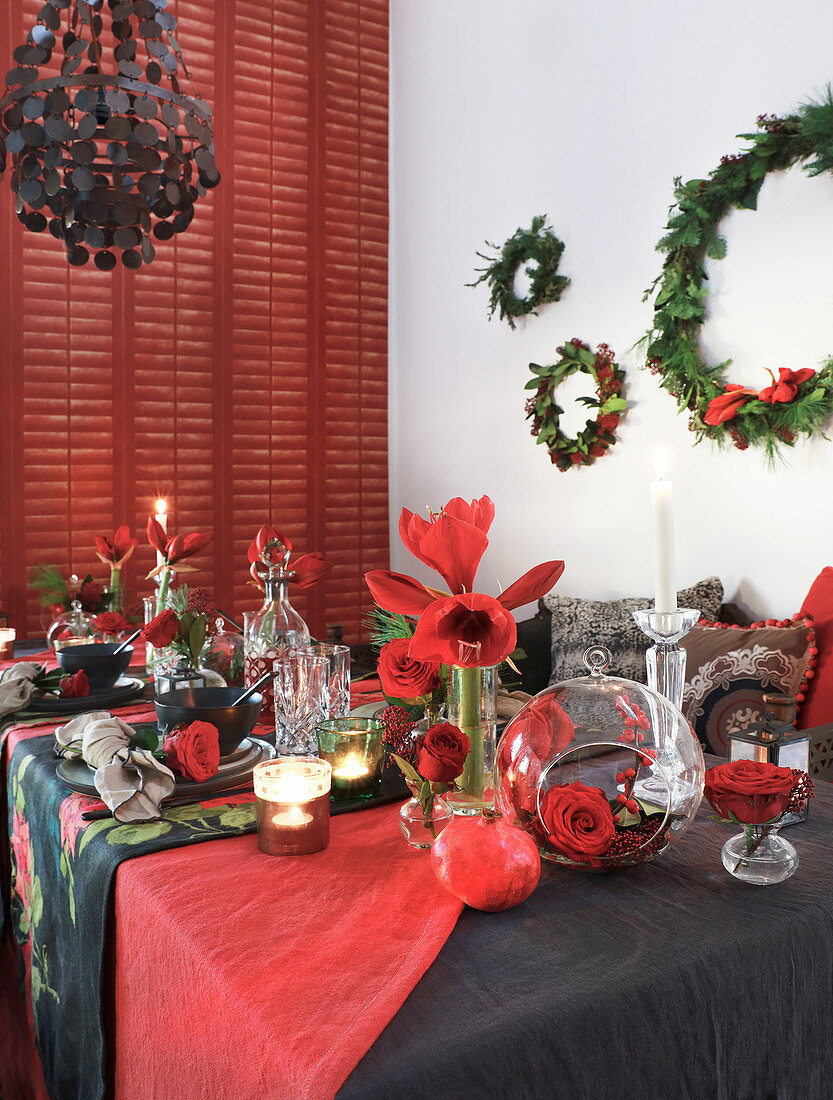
<point x="665" y="660"/>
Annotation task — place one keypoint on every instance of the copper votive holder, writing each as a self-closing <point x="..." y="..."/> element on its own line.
<point x="292" y="802"/>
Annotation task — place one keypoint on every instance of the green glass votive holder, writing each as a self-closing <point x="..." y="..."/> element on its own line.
<point x="356" y="752"/>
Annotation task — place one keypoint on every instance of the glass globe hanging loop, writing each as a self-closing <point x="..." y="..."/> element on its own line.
<point x="111" y="151"/>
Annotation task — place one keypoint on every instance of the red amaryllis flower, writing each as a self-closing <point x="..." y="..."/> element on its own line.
<point x="117" y="550"/>
<point x="276" y="549"/>
<point x="176" y="549"/>
<point x="725" y="406"/>
<point x="786" y="388"/>
<point x="470" y="630"/>
<point x="453" y="541"/>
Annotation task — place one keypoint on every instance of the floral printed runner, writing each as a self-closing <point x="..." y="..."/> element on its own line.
<point x="59" y="898"/>
<point x="62" y="876"/>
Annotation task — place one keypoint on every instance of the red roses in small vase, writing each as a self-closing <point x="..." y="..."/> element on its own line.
<point x="757" y="795"/>
<point x="430" y="765"/>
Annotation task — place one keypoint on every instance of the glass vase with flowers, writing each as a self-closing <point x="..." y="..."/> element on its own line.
<point x="182" y="630"/>
<point x="470" y="632"/>
<point x="757" y="795"/>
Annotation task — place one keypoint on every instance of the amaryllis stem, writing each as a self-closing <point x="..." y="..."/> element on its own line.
<point x="472" y="779"/>
<point x="164" y="585"/>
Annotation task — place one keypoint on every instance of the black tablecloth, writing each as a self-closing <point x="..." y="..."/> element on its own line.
<point x="666" y="981"/>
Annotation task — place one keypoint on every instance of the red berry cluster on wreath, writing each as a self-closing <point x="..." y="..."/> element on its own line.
<point x="771" y="123"/>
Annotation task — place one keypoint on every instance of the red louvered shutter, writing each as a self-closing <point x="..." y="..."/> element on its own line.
<point x="243" y="374"/>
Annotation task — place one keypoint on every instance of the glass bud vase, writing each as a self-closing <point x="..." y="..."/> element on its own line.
<point x="759" y="855"/>
<point x="422" y="829"/>
<point x="274" y="631"/>
<point x="472" y="707"/>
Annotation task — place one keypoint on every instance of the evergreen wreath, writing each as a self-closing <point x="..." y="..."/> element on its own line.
<point x="598" y="434"/>
<point x="800" y="401"/>
<point x="538" y="247"/>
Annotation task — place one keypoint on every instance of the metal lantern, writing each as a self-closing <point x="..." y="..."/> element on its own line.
<point x="110" y="151"/>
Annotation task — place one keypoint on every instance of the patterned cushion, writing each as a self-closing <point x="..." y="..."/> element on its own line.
<point x="728" y="670"/>
<point x="577" y="624"/>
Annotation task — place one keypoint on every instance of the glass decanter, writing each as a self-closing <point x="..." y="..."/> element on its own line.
<point x="277" y="628"/>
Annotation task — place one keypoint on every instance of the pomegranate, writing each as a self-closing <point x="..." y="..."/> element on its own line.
<point x="486" y="862"/>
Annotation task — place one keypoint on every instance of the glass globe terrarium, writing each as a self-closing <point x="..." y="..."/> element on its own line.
<point x="73" y="627"/>
<point x="601" y="772"/>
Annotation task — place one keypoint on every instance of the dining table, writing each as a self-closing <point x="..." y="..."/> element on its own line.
<point x="225" y="972"/>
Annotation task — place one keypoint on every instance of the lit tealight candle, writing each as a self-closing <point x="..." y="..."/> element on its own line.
<point x="162" y="520"/>
<point x="352" y="768"/>
<point x="662" y="510"/>
<point x="292" y="800"/>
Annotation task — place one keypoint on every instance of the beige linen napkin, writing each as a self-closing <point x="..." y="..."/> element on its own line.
<point x="16" y="686"/>
<point x="131" y="782"/>
<point x="510" y="702"/>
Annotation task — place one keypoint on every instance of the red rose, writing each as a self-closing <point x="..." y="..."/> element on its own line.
<point x="403" y="676"/>
<point x="111" y="622"/>
<point x="76" y="686"/>
<point x="578" y="820"/>
<point x="162" y="630"/>
<point x="193" y="750"/>
<point x="751" y="791"/>
<point x="442" y="753"/>
<point x="90" y="595"/>
<point x="471" y="630"/>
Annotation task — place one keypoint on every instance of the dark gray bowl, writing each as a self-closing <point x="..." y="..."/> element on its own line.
<point x="99" y="660"/>
<point x="210" y="705"/>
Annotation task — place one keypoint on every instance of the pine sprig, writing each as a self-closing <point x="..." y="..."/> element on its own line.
<point x="385" y="626"/>
<point x="672" y="345"/>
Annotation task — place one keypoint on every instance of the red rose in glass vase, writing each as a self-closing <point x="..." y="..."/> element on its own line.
<point x="404" y="676"/>
<point x="162" y="629"/>
<point x="578" y="821"/>
<point x="749" y="791"/>
<point x="441" y="755"/>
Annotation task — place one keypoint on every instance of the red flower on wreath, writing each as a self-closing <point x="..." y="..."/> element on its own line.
<point x="725" y="406"/>
<point x="786" y="388"/>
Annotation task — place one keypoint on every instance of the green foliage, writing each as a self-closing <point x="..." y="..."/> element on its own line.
<point x="540" y="250"/>
<point x="672" y="345"/>
<point x="384" y="626"/>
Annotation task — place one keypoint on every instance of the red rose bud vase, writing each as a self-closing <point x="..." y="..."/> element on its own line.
<point x="472" y="707"/>
<point x="485" y="862"/>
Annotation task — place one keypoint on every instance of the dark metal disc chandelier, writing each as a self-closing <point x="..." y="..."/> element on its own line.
<point x="103" y="159"/>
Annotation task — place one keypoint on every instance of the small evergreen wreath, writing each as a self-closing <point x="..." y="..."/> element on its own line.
<point x="598" y="434"/>
<point x="541" y="250"/>
<point x="800" y="401"/>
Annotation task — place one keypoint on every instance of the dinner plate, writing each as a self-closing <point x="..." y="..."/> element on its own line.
<point x="80" y="777"/>
<point x="124" y="689"/>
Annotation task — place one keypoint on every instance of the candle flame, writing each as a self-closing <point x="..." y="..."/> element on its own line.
<point x="661" y="464"/>
<point x="161" y="508"/>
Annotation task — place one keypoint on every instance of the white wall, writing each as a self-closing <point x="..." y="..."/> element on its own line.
<point x="502" y="109"/>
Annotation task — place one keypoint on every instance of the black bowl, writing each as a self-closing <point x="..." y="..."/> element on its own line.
<point x="99" y="660"/>
<point x="210" y="705"/>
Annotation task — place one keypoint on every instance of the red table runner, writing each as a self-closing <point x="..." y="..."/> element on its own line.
<point x="241" y="975"/>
